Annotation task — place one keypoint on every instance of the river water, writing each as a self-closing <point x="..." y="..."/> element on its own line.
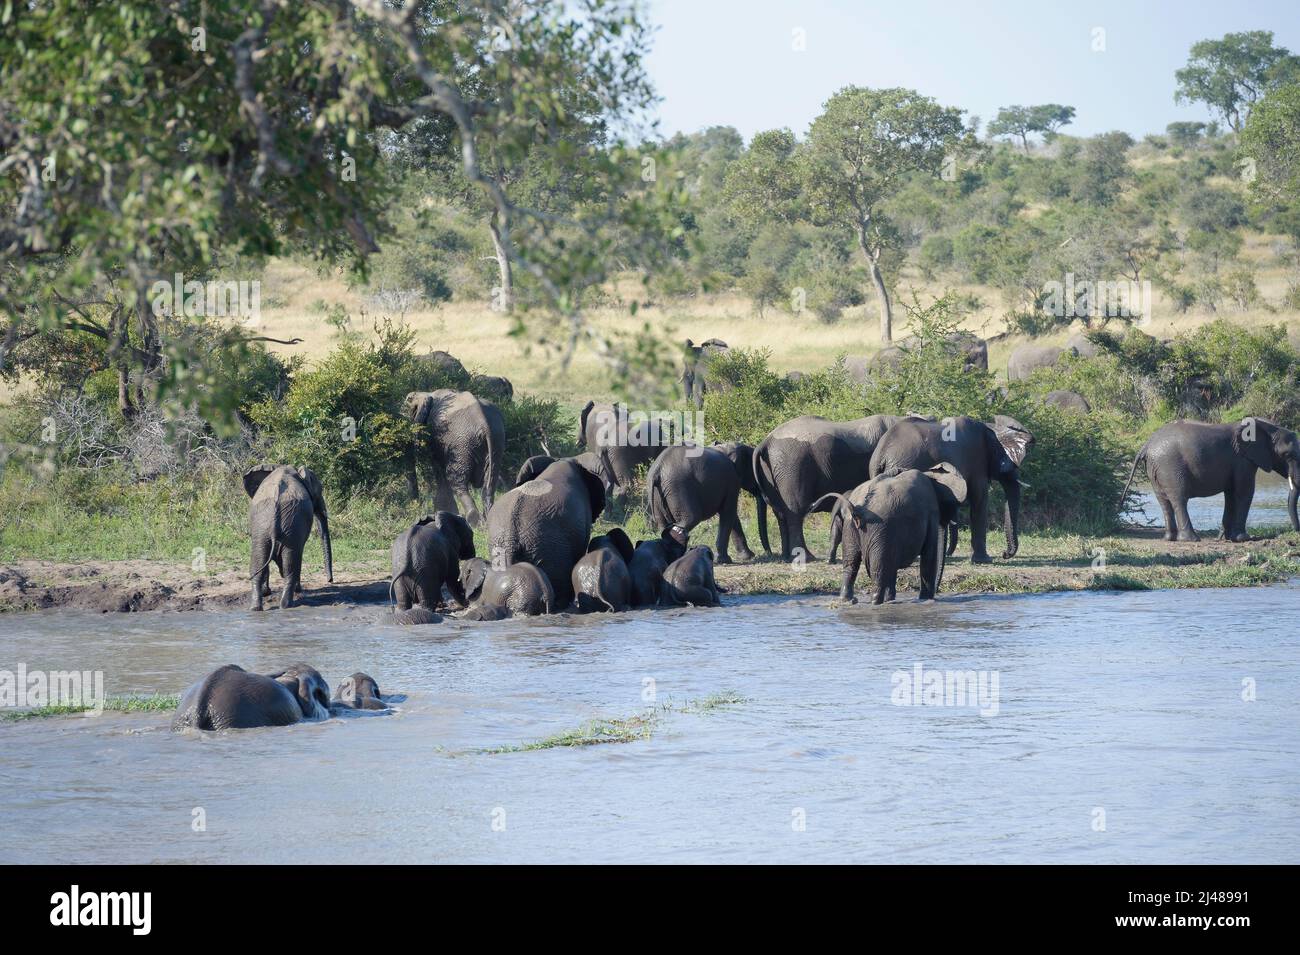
<point x="1120" y="735"/>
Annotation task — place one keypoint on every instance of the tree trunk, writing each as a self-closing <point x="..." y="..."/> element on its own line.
<point x="505" y="300"/>
<point x="882" y="294"/>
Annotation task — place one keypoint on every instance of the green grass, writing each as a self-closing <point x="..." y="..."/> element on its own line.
<point x="113" y="704"/>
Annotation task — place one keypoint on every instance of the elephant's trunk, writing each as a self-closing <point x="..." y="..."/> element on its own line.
<point x="1011" y="518"/>
<point x="323" y="524"/>
<point x="1293" y="479"/>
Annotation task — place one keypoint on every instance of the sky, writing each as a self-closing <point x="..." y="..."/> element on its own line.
<point x="735" y="62"/>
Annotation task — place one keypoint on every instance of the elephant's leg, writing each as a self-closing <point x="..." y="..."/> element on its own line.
<point x="291" y="561"/>
<point x="930" y="563"/>
<point x="1171" y="522"/>
<point x="443" y="499"/>
<point x="428" y="594"/>
<point x="1184" y="520"/>
<point x="783" y="527"/>
<point x="731" y="511"/>
<point x="402" y="593"/>
<point x="852" y="564"/>
<point x="1229" y="517"/>
<point x="796" y="534"/>
<point x="886" y="586"/>
<point x="979" y="524"/>
<point x="466" y="501"/>
<point x="1243" y="494"/>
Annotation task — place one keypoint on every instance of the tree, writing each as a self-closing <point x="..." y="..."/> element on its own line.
<point x="1020" y="121"/>
<point x="859" y="153"/>
<point x="1231" y="75"/>
<point x="1185" y="134"/>
<point x="1271" y="139"/>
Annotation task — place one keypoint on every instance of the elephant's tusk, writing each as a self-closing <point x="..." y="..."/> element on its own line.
<point x="1023" y="484"/>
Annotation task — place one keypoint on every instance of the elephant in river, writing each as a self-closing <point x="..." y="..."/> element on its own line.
<point x="1186" y="459"/>
<point x="688" y="581"/>
<point x="358" y="692"/>
<point x="687" y="485"/>
<point x="893" y="519"/>
<point x="696" y="379"/>
<point x="546" y="522"/>
<point x="425" y="557"/>
<point x="466" y="441"/>
<point x="602" y="579"/>
<point x="285" y="501"/>
<point x="980" y="452"/>
<point x="1069" y="400"/>
<point x="621" y="441"/>
<point x="520" y="590"/>
<point x="806" y="458"/>
<point x="232" y="698"/>
<point x="649" y="561"/>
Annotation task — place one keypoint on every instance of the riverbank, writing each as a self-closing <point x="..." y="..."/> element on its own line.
<point x="1132" y="559"/>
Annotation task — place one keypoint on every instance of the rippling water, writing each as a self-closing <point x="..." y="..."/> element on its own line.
<point x="1128" y="704"/>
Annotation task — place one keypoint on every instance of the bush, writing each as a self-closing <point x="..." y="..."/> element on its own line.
<point x="936" y="255"/>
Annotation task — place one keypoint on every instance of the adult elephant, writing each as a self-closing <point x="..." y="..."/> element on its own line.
<point x="466" y="439"/>
<point x="588" y="460"/>
<point x="980" y="452"/>
<point x="232" y="698"/>
<point x="695" y="372"/>
<point x="492" y="387"/>
<point x="546" y="522"/>
<point x="1187" y="459"/>
<point x="285" y="501"/>
<point x="688" y="485"/>
<point x="891" y="521"/>
<point x="608" y="432"/>
<point x="1069" y="400"/>
<point x="1027" y="359"/>
<point x="806" y="458"/>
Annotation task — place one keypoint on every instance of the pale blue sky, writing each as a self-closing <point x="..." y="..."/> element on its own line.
<point x="731" y="62"/>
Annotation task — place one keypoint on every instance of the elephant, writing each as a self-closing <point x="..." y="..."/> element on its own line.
<point x="426" y="556"/>
<point x="649" y="561"/>
<point x="688" y="485"/>
<point x="973" y="350"/>
<point x="588" y="460"/>
<point x="492" y="387"/>
<point x="1069" y="400"/>
<point x="359" y="692"/>
<point x="546" y="522"/>
<point x="688" y="581"/>
<point x="448" y="369"/>
<point x="285" y="501"/>
<point x="232" y="698"/>
<point x="695" y="372"/>
<point x="893" y="519"/>
<point x="466" y="439"/>
<point x="1186" y="459"/>
<point x="602" y="580"/>
<point x="1028" y="358"/>
<point x="1082" y="345"/>
<point x="621" y="442"/>
<point x="415" y="616"/>
<point x="805" y="458"/>
<point x="520" y="590"/>
<point x="980" y="452"/>
<point x="860" y="367"/>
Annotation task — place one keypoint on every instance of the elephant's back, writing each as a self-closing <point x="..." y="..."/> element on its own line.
<point x="1182" y="445"/>
<point x="230" y="698"/>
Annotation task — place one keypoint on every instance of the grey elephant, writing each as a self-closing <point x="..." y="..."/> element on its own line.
<point x="687" y="485"/>
<point x="426" y="557"/>
<point x="1028" y="358"/>
<point x="465" y="438"/>
<point x="688" y="581"/>
<point x="649" y="561"/>
<point x="1187" y="459"/>
<point x="358" y="692"/>
<point x="696" y="381"/>
<point x="415" y="616"/>
<point x="806" y="458"/>
<point x="602" y="580"/>
<point x="590" y="461"/>
<point x="980" y="452"/>
<point x="232" y="698"/>
<point x="492" y="387"/>
<point x="285" y="501"/>
<point x="519" y="590"/>
<point x="892" y="520"/>
<point x="1069" y="400"/>
<point x="1083" y="346"/>
<point x="622" y="441"/>
<point x="546" y="522"/>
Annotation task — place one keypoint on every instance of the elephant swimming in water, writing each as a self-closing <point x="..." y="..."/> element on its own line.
<point x="232" y="698"/>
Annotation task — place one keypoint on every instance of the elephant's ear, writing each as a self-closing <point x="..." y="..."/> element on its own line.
<point x="427" y="519"/>
<point x="595" y="490"/>
<point x="533" y="467"/>
<point x="308" y="687"/>
<point x="254" y="477"/>
<point x="459" y="530"/>
<point x="622" y="543"/>
<point x="1253" y="440"/>
<point x="582" y="424"/>
<point x="949" y="487"/>
<point x="1013" y="437"/>
<point x="314" y="488"/>
<point x="473" y="576"/>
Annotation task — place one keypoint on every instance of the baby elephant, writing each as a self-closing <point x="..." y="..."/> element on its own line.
<point x="893" y="519"/>
<point x="359" y="692"/>
<point x="648" y="563"/>
<point x="231" y="698"/>
<point x="519" y="590"/>
<point x="425" y="556"/>
<point x="601" y="580"/>
<point x="688" y="581"/>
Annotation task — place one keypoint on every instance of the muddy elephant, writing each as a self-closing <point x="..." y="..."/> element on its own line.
<point x="547" y="522"/>
<point x="465" y="438"/>
<point x="519" y="590"/>
<point x="623" y="441"/>
<point x="426" y="557"/>
<point x="649" y="561"/>
<point x="688" y="581"/>
<point x="892" y="520"/>
<point x="687" y="485"/>
<point x="1069" y="400"/>
<point x="285" y="501"/>
<point x="1187" y="459"/>
<point x="695" y="379"/>
<point x="980" y="452"/>
<point x="1028" y="358"/>
<point x="232" y="698"/>
<point x="602" y="579"/>
<point x="358" y="692"/>
<point x="806" y="458"/>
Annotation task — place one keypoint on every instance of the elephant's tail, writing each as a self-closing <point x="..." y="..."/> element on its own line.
<point x="766" y="491"/>
<point x="661" y="516"/>
<point x="1140" y="459"/>
<point x="270" y="557"/>
<point x="489" y="467"/>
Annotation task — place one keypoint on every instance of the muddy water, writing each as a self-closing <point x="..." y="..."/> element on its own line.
<point x="1124" y="704"/>
<point x="1267" y="508"/>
